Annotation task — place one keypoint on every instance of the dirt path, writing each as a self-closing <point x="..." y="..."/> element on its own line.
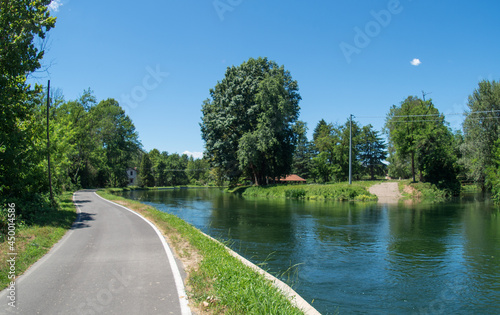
<point x="386" y="192"/>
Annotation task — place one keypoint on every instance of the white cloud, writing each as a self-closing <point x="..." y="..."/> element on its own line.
<point x="415" y="62"/>
<point x="55" y="5"/>
<point x="196" y="155"/>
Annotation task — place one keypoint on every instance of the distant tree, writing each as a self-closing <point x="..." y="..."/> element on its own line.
<point x="332" y="146"/>
<point x="198" y="171"/>
<point x="159" y="166"/>
<point x="146" y="178"/>
<point x="117" y="138"/>
<point x="481" y="130"/>
<point x="322" y="169"/>
<point x="493" y="173"/>
<point x="437" y="161"/>
<point x="302" y="157"/>
<point x="406" y="125"/>
<point x="372" y="151"/>
<point x="417" y="131"/>
<point x="176" y="169"/>
<point x="399" y="167"/>
<point x="325" y="140"/>
<point x="247" y="125"/>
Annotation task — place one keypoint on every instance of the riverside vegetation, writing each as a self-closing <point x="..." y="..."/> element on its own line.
<point x="217" y="282"/>
<point x="338" y="192"/>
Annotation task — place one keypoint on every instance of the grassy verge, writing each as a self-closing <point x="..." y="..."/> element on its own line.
<point x="217" y="282"/>
<point x="340" y="192"/>
<point x="33" y="241"/>
<point x="423" y="192"/>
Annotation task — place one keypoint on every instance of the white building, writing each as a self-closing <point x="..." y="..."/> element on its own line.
<point x="132" y="176"/>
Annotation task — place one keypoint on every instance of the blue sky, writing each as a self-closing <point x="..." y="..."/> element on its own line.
<point x="160" y="58"/>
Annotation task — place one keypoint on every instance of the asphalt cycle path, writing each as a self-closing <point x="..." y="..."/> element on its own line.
<point x="112" y="261"/>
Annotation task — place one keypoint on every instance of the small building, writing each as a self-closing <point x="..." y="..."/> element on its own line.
<point x="292" y="179"/>
<point x="132" y="176"/>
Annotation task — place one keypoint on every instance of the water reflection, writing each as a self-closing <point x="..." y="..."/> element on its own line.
<point x="359" y="258"/>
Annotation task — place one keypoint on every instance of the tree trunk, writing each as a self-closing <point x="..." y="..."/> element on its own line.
<point x="413" y="165"/>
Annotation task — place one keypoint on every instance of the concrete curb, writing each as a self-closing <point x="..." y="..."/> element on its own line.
<point x="293" y="296"/>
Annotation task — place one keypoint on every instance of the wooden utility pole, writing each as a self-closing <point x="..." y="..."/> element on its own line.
<point x="48" y="144"/>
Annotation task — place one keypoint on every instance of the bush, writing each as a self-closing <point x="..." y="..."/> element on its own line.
<point x="295" y="193"/>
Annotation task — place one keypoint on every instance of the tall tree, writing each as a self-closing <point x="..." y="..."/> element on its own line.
<point x="332" y="146"/>
<point x="418" y="132"/>
<point x="21" y="24"/>
<point x="248" y="123"/>
<point x="405" y="126"/>
<point x="481" y="130"/>
<point x="372" y="151"/>
<point x="118" y="140"/>
<point x="325" y="139"/>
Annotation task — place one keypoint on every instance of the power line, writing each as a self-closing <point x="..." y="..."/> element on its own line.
<point x="434" y="115"/>
<point x="413" y="121"/>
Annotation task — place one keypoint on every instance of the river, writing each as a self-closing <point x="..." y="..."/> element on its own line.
<point x="362" y="258"/>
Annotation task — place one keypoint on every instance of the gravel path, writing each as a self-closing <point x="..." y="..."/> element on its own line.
<point x="386" y="192"/>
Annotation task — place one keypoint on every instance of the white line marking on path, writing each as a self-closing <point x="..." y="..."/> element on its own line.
<point x="173" y="264"/>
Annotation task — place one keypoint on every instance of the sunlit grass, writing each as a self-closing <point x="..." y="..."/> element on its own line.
<point x="358" y="191"/>
<point x="35" y="240"/>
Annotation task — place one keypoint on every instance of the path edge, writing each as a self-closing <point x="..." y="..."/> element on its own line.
<point x="181" y="292"/>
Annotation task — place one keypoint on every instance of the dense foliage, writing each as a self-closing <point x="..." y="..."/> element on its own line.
<point x="481" y="132"/>
<point x="248" y="124"/>
<point x="418" y="134"/>
<point x="331" y="145"/>
<point x="21" y="24"/>
<point x="163" y="169"/>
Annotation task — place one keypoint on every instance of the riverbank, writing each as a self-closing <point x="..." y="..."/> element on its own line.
<point x="383" y="191"/>
<point x="28" y="243"/>
<point x="339" y="192"/>
<point x="217" y="282"/>
<point x="422" y="192"/>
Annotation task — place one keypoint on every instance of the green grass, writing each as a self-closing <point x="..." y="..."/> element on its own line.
<point x="35" y="240"/>
<point x="425" y="192"/>
<point x="218" y="280"/>
<point x="340" y="192"/>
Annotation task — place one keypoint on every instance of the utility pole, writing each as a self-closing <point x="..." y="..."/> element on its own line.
<point x="424" y="95"/>
<point x="48" y="144"/>
<point x="350" y="150"/>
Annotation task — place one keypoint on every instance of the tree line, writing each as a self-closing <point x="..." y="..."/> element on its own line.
<point x="163" y="169"/>
<point x="252" y="132"/>
<point x="92" y="143"/>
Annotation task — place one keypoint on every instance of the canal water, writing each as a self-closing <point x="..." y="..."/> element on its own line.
<point x="361" y="258"/>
